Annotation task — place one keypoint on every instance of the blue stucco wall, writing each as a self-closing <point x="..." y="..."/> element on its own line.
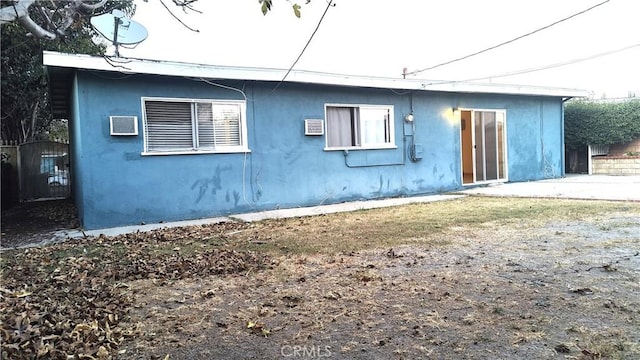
<point x="116" y="185"/>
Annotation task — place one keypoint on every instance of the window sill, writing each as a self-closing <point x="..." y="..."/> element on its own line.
<point x="358" y="148"/>
<point x="194" y="152"/>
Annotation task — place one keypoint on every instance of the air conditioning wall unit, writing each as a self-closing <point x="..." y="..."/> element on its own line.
<point x="123" y="125"/>
<point x="313" y="127"/>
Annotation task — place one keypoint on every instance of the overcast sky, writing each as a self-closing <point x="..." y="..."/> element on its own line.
<point x="381" y="37"/>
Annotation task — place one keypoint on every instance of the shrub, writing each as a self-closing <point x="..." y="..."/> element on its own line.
<point x="595" y="123"/>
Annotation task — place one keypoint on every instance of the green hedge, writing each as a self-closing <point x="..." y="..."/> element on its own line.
<point x="597" y="123"/>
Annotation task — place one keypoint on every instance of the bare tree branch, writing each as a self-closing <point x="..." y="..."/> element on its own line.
<point x="19" y="12"/>
<point x="177" y="18"/>
<point x="34" y="118"/>
<point x="28" y="127"/>
<point x="82" y="5"/>
<point x="51" y="29"/>
<point x="186" y="4"/>
<point x="69" y="18"/>
<point x="49" y="24"/>
<point x="56" y="22"/>
<point x="11" y="13"/>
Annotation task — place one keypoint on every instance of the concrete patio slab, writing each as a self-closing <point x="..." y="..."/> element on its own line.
<point x="591" y="187"/>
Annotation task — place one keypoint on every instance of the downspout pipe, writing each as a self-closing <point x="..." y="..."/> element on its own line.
<point x="563" y="165"/>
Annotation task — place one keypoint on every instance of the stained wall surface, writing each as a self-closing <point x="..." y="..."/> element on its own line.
<point x="115" y="184"/>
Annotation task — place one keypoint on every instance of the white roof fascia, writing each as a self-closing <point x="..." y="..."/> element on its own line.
<point x="168" y="68"/>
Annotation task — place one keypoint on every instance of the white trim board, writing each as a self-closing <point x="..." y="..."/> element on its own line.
<point x="171" y="68"/>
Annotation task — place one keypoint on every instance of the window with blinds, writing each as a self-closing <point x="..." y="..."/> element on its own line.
<point x="178" y="126"/>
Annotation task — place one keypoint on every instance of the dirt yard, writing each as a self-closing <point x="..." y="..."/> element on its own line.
<point x="36" y="222"/>
<point x="474" y="278"/>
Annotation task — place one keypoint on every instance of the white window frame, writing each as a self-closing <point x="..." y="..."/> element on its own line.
<point x="242" y="148"/>
<point x="391" y="128"/>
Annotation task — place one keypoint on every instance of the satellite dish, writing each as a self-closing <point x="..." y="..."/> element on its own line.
<point x="119" y="29"/>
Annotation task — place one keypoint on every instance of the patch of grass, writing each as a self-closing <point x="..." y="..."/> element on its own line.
<point x="422" y="224"/>
<point x="527" y="337"/>
<point x="497" y="310"/>
<point x="609" y="343"/>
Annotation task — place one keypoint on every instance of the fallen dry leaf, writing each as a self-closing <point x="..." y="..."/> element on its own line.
<point x="72" y="299"/>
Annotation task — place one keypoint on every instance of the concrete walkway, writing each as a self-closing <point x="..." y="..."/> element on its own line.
<point x="257" y="216"/>
<point x="600" y="187"/>
<point x="591" y="187"/>
<point x="343" y="207"/>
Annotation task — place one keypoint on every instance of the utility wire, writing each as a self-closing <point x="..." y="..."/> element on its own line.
<point x="544" y="67"/>
<point x="329" y="3"/>
<point x="505" y="42"/>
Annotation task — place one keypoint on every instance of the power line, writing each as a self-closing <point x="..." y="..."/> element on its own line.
<point x="544" y="67"/>
<point x="505" y="42"/>
<point x="564" y="63"/>
<point x="329" y="3"/>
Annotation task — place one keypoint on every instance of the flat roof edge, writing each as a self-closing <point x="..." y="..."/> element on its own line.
<point x="169" y="68"/>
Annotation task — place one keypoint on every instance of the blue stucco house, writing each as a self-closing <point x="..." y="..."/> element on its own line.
<point x="155" y="141"/>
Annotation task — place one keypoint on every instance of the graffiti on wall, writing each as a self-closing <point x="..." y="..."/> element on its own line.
<point x="210" y="185"/>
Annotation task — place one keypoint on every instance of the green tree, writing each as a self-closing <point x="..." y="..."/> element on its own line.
<point x="24" y="107"/>
<point x="596" y="123"/>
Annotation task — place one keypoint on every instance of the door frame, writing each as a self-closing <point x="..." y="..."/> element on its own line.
<point x="471" y="126"/>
